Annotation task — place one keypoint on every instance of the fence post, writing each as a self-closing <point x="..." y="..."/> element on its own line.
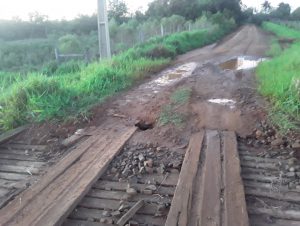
<point x="57" y="55"/>
<point x="162" y="30"/>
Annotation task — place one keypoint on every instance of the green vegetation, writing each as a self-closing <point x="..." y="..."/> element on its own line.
<point x="281" y="31"/>
<point x="169" y="113"/>
<point x="70" y="89"/>
<point x="280" y="80"/>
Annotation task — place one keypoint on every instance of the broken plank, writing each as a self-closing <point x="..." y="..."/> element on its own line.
<point x="181" y="203"/>
<point x="234" y="194"/>
<point x="131" y="212"/>
<point x="12" y="133"/>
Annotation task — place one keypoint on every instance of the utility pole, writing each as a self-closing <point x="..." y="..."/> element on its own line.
<point x="103" y="31"/>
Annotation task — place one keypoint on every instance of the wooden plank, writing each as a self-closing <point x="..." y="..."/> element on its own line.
<point x="56" y="201"/>
<point x="12" y="133"/>
<point x="284" y="196"/>
<point x="15" y="207"/>
<point x="258" y="220"/>
<point x="209" y="204"/>
<point x="24" y="147"/>
<point x="169" y="179"/>
<point x="234" y="194"/>
<point x="130" y="213"/>
<point x="70" y="222"/>
<point x="276" y="212"/>
<point x="181" y="203"/>
<point x="122" y="186"/>
<point x="105" y="204"/>
<point x="22" y="163"/>
<point x="14" y="176"/>
<point x="19" y="169"/>
<point x="119" y="195"/>
<point x="19" y="157"/>
<point x="83" y="214"/>
<point x="11" y="184"/>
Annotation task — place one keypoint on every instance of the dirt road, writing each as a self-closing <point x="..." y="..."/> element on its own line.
<point x="212" y="89"/>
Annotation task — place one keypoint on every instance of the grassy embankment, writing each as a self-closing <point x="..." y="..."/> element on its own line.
<point x="72" y="89"/>
<point x="280" y="78"/>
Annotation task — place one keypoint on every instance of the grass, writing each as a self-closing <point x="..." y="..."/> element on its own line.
<point x="71" y="89"/>
<point x="279" y="81"/>
<point x="169" y="113"/>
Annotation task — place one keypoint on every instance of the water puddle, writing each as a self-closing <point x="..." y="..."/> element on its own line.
<point x="169" y="77"/>
<point x="174" y="75"/>
<point x="241" y="63"/>
<point x="224" y="102"/>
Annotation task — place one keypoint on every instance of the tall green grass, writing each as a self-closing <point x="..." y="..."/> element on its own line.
<point x="279" y="79"/>
<point x="67" y="90"/>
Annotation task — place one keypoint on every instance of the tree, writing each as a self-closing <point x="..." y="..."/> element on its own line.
<point x="296" y="14"/>
<point x="266" y="6"/>
<point x="118" y="10"/>
<point x="69" y="44"/>
<point x="282" y="12"/>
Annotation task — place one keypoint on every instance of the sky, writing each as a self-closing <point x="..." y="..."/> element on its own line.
<point x="68" y="9"/>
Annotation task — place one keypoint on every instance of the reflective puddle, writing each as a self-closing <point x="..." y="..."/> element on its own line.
<point x="224" y="102"/>
<point x="241" y="63"/>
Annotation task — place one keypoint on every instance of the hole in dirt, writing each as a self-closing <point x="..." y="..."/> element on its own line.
<point x="241" y="63"/>
<point x="142" y="125"/>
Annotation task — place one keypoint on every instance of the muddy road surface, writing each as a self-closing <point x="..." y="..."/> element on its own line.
<point x="201" y="124"/>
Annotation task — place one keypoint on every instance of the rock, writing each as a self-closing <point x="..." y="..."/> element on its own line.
<point x="258" y="134"/>
<point x="292" y="169"/>
<point x="141" y="157"/>
<point x="116" y="213"/>
<point x="296" y="146"/>
<point x="124" y="207"/>
<point x="114" y="170"/>
<point x="142" y="170"/>
<point x="147" y="192"/>
<point x="149" y="170"/>
<point x="106" y="214"/>
<point x="277" y="142"/>
<point x="133" y="223"/>
<point x="131" y="191"/>
<point x="151" y="188"/>
<point x="148" y="163"/>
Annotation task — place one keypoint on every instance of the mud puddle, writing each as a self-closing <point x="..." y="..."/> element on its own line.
<point x="241" y="63"/>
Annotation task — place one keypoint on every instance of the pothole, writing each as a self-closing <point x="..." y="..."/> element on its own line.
<point x="224" y="102"/>
<point x="241" y="63"/>
<point x="143" y="125"/>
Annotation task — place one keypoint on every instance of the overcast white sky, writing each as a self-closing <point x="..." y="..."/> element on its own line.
<point x="68" y="9"/>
